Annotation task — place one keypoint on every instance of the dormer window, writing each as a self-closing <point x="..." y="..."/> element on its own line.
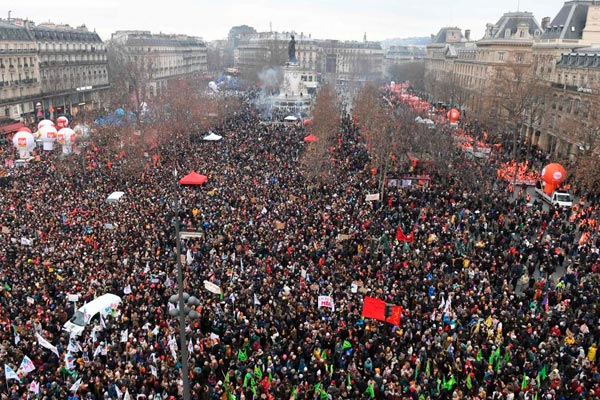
<point x="507" y="33"/>
<point x="536" y="33"/>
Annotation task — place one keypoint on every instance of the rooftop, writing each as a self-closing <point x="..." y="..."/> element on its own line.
<point x="509" y="25"/>
<point x="570" y="21"/>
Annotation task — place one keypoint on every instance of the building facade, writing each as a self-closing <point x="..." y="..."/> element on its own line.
<point x="347" y="62"/>
<point x="49" y="70"/>
<point x="461" y="72"/>
<point x="446" y="47"/>
<point x="73" y="68"/>
<point x="332" y="60"/>
<point x="165" y="57"/>
<point x="395" y="55"/>
<point x="566" y="57"/>
<point x="19" y="72"/>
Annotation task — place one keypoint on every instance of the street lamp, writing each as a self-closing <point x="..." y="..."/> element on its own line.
<point x="183" y="301"/>
<point x="188" y="311"/>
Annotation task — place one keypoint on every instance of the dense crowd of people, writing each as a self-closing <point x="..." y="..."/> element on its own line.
<point x="499" y="297"/>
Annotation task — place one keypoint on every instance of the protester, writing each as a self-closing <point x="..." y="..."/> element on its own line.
<point x="499" y="298"/>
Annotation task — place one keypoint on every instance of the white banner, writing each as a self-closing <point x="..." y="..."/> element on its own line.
<point x="372" y="197"/>
<point x="326" y="301"/>
<point x="211" y="287"/>
<point x="46" y="344"/>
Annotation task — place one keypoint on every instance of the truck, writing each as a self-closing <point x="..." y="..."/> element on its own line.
<point x="558" y="198"/>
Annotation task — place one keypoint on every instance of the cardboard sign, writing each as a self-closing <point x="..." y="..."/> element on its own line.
<point x="73" y="297"/>
<point x="372" y="197"/>
<point x="279" y="225"/>
<point x="326" y="301"/>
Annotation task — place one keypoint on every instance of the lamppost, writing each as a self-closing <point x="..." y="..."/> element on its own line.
<point x="183" y="301"/>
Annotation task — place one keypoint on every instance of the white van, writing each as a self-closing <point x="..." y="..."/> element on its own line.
<point x="100" y="305"/>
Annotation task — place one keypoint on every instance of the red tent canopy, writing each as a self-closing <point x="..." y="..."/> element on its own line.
<point x="193" y="178"/>
<point x="310" y="138"/>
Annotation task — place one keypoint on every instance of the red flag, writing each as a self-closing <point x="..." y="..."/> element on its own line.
<point x="375" y="308"/>
<point x="401" y="237"/>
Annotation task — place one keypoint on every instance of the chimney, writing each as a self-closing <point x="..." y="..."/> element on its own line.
<point x="468" y="34"/>
<point x="545" y="23"/>
<point x="432" y="37"/>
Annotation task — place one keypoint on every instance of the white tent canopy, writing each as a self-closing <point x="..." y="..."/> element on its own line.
<point x="290" y="118"/>
<point x="114" y="197"/>
<point x="212" y="137"/>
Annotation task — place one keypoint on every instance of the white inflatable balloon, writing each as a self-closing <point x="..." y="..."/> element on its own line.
<point x="45" y="122"/>
<point x="48" y="136"/>
<point x="24" y="143"/>
<point x="66" y="137"/>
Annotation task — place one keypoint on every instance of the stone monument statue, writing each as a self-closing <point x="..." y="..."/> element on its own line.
<point x="292" y="51"/>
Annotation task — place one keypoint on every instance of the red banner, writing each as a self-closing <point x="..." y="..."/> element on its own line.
<point x="375" y="308"/>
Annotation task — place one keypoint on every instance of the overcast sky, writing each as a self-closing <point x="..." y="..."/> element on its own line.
<point x="325" y="19"/>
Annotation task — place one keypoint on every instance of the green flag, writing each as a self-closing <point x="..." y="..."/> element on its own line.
<point x="543" y="373"/>
<point x="324" y="355"/>
<point x="6" y="287"/>
<point x="370" y="391"/>
<point x="479" y="355"/>
<point x="346" y="345"/>
<point x="295" y="392"/>
<point x="248" y="379"/>
<point x="270" y="376"/>
<point x="257" y="373"/>
<point x="448" y="385"/>
<point x="349" y="380"/>
<point x="226" y="377"/>
<point x="416" y="371"/>
<point x="524" y="382"/>
<point x="324" y="394"/>
<point x="428" y="369"/>
<point x="242" y="355"/>
<point x="469" y="383"/>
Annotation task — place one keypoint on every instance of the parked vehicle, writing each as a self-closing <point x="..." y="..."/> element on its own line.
<point x="104" y="305"/>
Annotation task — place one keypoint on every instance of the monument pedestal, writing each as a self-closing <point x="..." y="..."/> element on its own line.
<point x="293" y="97"/>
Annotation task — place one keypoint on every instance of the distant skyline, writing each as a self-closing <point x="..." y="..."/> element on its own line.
<point x="329" y="19"/>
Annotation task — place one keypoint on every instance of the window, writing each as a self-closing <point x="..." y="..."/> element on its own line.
<point x="501" y="56"/>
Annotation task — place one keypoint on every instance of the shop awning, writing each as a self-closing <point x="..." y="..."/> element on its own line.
<point x="10" y="128"/>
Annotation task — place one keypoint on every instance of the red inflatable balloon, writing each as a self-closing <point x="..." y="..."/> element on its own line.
<point x="453" y="116"/>
<point x="553" y="175"/>
<point x="24" y="129"/>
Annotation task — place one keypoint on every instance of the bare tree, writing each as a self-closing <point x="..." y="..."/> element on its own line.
<point x="515" y="99"/>
<point x="131" y="73"/>
<point x="379" y="122"/>
<point x="325" y="126"/>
